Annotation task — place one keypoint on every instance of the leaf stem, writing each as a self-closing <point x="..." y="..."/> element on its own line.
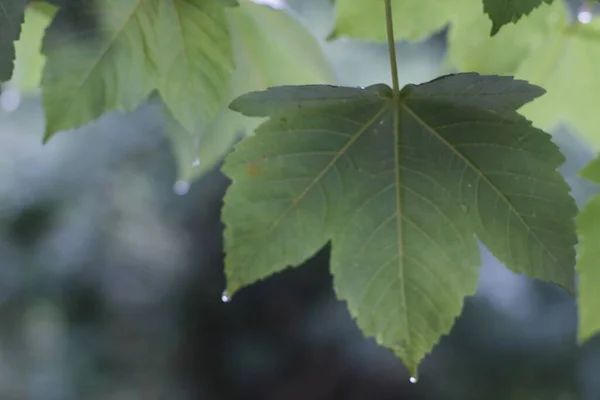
<point x="391" y="46"/>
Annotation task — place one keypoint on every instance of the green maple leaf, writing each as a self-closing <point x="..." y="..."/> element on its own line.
<point x="179" y="47"/>
<point x="413" y="19"/>
<point x="401" y="188"/>
<point x="503" y="12"/>
<point x="12" y="14"/>
<point x="291" y="57"/>
<point x="549" y="52"/>
<point x="588" y="259"/>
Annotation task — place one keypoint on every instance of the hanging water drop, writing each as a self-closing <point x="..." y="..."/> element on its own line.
<point x="224" y="297"/>
<point x="585" y="17"/>
<point x="181" y="188"/>
<point x="10" y="100"/>
<point x="413" y="379"/>
<point x="196" y="162"/>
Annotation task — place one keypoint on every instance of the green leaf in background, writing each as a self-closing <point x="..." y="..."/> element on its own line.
<point x="263" y="59"/>
<point x="84" y="77"/>
<point x="588" y="260"/>
<point x="229" y="3"/>
<point x="193" y="53"/>
<point x="402" y="204"/>
<point x="12" y="14"/>
<point x="502" y="12"/>
<point x="413" y="19"/>
<point x="139" y="47"/>
<point x="29" y="60"/>
<point x="471" y="49"/>
<point x="565" y="65"/>
<point x="546" y="50"/>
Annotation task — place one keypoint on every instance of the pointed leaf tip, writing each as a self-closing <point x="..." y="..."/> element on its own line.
<point x="503" y="12"/>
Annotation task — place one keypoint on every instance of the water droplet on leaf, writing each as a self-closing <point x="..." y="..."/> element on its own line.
<point x="196" y="162"/>
<point x="10" y="100"/>
<point x="181" y="188"/>
<point x="585" y="17"/>
<point x="224" y="297"/>
<point x="413" y="379"/>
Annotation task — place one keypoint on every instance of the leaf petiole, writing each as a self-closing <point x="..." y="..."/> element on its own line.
<point x="391" y="47"/>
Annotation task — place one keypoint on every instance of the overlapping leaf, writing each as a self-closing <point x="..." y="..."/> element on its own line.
<point x="546" y="50"/>
<point x="192" y="51"/>
<point x="503" y="12"/>
<point x="588" y="262"/>
<point x="402" y="190"/>
<point x="12" y="13"/>
<point x="262" y="59"/>
<point x="413" y="19"/>
<point x="29" y="60"/>
<point x="179" y="47"/>
<point x="471" y="49"/>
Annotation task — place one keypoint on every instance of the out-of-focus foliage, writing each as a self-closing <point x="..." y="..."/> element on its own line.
<point x="12" y="14"/>
<point x="262" y="60"/>
<point x="96" y="251"/>
<point x="589" y="257"/>
<point x="548" y="49"/>
<point x="29" y="59"/>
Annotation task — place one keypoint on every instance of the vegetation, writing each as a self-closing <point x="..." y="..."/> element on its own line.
<point x="403" y="182"/>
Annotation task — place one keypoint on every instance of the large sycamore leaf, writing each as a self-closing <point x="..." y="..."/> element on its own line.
<point x="262" y="60"/>
<point x="503" y="12"/>
<point x="12" y="14"/>
<point x="413" y="19"/>
<point x="179" y="47"/>
<point x="29" y="61"/>
<point x="550" y="52"/>
<point x="402" y="188"/>
<point x="588" y="260"/>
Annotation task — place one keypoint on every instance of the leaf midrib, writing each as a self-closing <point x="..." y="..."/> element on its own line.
<point x="103" y="53"/>
<point x="482" y="176"/>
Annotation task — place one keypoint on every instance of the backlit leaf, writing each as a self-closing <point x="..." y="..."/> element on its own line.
<point x="194" y="58"/>
<point x="471" y="49"/>
<point x="503" y="12"/>
<point x="413" y="19"/>
<point x="29" y="59"/>
<point x="547" y="50"/>
<point x="12" y="14"/>
<point x="588" y="266"/>
<point x="402" y="190"/>
<point x="262" y="60"/>
<point x="179" y="47"/>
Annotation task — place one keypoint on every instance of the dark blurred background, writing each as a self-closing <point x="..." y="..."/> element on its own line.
<point x="111" y="279"/>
